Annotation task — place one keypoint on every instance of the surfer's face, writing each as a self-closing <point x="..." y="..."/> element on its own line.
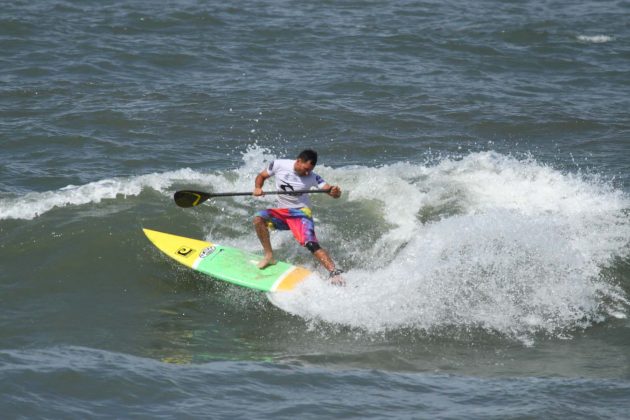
<point x="303" y="168"/>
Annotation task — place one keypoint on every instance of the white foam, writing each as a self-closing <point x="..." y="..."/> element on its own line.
<point x="523" y="254"/>
<point x="35" y="204"/>
<point x="595" y="39"/>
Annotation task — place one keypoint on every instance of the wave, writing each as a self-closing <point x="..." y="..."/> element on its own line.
<point x="76" y="382"/>
<point x="487" y="241"/>
<point x="34" y="204"/>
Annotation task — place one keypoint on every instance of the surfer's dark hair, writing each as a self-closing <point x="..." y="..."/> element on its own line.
<point x="308" y="155"/>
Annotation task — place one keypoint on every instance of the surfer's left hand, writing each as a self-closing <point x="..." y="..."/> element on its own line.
<point x="335" y="191"/>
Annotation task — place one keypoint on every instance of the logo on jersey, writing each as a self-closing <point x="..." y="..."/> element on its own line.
<point x="288" y="187"/>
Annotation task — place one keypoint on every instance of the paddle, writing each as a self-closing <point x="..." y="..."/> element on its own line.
<point x="187" y="198"/>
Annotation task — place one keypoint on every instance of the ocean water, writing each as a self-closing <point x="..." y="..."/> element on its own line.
<point x="483" y="149"/>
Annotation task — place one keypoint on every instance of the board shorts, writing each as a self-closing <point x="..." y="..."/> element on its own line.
<point x="298" y="220"/>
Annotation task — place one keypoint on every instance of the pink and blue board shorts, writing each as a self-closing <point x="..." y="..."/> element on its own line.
<point x="299" y="221"/>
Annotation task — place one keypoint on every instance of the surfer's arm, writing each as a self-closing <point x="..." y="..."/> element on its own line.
<point x="335" y="191"/>
<point x="258" y="184"/>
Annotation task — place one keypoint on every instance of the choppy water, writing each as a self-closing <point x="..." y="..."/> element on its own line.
<point x="484" y="153"/>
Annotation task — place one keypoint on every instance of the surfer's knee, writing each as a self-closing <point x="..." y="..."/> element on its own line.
<point x="312" y="246"/>
<point x="259" y="221"/>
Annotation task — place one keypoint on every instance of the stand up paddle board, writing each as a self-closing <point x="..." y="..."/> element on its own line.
<point x="228" y="264"/>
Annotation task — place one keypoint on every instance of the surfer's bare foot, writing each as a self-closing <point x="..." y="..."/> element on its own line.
<point x="266" y="261"/>
<point x="335" y="278"/>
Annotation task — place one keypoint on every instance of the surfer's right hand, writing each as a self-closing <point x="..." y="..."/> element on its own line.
<point x="258" y="192"/>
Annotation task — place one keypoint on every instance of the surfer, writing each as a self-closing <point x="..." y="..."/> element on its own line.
<point x="293" y="211"/>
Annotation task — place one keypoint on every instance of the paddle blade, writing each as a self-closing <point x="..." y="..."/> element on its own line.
<point x="190" y="198"/>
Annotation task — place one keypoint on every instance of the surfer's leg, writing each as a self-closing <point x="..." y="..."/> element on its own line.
<point x="324" y="259"/>
<point x="265" y="219"/>
<point x="334" y="274"/>
<point x="262" y="231"/>
<point x="263" y="236"/>
<point x="303" y="228"/>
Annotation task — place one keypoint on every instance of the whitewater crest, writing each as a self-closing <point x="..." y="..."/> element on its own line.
<point x="34" y="204"/>
<point x="488" y="241"/>
<point x="595" y="39"/>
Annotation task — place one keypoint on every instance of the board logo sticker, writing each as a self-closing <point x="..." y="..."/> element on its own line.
<point x="184" y="251"/>
<point x="207" y="251"/>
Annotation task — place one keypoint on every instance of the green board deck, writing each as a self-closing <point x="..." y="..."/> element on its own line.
<point x="229" y="264"/>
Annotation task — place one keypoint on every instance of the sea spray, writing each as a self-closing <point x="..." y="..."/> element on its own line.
<point x="517" y="248"/>
<point x="489" y="241"/>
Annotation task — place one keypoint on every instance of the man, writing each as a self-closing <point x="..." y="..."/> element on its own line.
<point x="294" y="210"/>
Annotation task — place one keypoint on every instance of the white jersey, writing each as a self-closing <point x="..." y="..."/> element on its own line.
<point x="288" y="180"/>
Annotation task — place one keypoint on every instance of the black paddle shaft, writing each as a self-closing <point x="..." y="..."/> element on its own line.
<point x="188" y="198"/>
